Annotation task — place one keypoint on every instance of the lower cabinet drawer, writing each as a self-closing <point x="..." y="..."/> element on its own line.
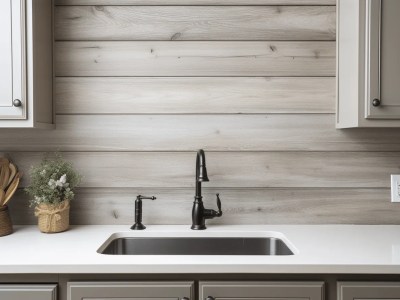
<point x="131" y="290"/>
<point x="368" y="290"/>
<point x="243" y="290"/>
<point x="28" y="292"/>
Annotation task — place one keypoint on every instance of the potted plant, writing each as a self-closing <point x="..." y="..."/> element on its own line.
<point x="51" y="189"/>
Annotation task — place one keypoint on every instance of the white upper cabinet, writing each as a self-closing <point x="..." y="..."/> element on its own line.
<point x="26" y="63"/>
<point x="11" y="60"/>
<point x="368" y="63"/>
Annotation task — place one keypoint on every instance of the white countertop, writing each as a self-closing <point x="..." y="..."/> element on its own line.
<point x="318" y="249"/>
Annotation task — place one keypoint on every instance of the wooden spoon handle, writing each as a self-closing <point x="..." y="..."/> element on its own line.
<point x="2" y="197"/>
<point x="11" y="189"/>
<point x="4" y="161"/>
<point x="13" y="172"/>
<point x="4" y="176"/>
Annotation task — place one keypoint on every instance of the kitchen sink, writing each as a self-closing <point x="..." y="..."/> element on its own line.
<point x="195" y="246"/>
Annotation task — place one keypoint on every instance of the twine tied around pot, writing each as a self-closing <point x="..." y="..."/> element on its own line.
<point x="53" y="217"/>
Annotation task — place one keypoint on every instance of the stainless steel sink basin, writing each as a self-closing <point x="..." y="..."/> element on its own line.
<point x="196" y="246"/>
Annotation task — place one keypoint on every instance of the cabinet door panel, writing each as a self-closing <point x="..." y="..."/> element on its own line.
<point x="262" y="290"/>
<point x="390" y="51"/>
<point x="383" y="64"/>
<point x="130" y="298"/>
<point x="28" y="292"/>
<point x="263" y="298"/>
<point x="12" y="58"/>
<point x="5" y="54"/>
<point x="130" y="290"/>
<point x="368" y="290"/>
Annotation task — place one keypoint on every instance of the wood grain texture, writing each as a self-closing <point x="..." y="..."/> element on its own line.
<point x="83" y="23"/>
<point x="199" y="95"/>
<point x="278" y="132"/>
<point x="195" y="2"/>
<point x="229" y="169"/>
<point x="195" y="58"/>
<point x="240" y="206"/>
<point x="291" y="167"/>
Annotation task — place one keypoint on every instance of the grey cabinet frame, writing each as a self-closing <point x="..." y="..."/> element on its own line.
<point x="28" y="292"/>
<point x="30" y="75"/>
<point x="368" y="290"/>
<point x="375" y="23"/>
<point x="223" y="290"/>
<point x="360" y="68"/>
<point x="131" y="290"/>
<point x="13" y="76"/>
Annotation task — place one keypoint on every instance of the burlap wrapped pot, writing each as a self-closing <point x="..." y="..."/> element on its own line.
<point x="53" y="218"/>
<point x="5" y="221"/>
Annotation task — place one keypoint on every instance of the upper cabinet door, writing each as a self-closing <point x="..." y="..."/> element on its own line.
<point x="12" y="59"/>
<point x="368" y="63"/>
<point x="383" y="59"/>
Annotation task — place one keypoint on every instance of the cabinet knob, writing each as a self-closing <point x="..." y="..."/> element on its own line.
<point x="184" y="298"/>
<point x="210" y="298"/>
<point x="17" y="103"/>
<point x="376" y="102"/>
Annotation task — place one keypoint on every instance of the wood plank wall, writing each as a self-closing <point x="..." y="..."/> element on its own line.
<point x="141" y="84"/>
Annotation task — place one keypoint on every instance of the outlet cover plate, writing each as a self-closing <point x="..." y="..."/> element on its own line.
<point x="395" y="184"/>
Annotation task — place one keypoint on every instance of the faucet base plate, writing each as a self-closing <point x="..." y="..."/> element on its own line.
<point x="138" y="226"/>
<point x="198" y="227"/>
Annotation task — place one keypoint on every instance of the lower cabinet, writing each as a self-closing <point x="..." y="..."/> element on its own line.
<point x="28" y="292"/>
<point x="244" y="290"/>
<point x="215" y="290"/>
<point x="203" y="290"/>
<point x="131" y="290"/>
<point x="368" y="290"/>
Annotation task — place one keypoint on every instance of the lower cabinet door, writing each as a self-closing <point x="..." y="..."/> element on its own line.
<point x="266" y="290"/>
<point x="28" y="292"/>
<point x="368" y="290"/>
<point x="130" y="290"/>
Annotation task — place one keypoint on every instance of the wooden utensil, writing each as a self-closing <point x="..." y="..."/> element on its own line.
<point x="11" y="189"/>
<point x="2" y="197"/>
<point x="4" y="176"/>
<point x="13" y="172"/>
<point x="4" y="161"/>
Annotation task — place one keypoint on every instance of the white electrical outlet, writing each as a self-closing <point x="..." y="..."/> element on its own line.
<point x="395" y="188"/>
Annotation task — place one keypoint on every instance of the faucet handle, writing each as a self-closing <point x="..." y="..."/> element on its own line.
<point x="219" y="213"/>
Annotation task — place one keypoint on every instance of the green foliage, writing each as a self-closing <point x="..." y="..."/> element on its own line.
<point x="53" y="181"/>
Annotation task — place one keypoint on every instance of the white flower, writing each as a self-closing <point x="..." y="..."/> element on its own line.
<point x="43" y="172"/>
<point x="62" y="181"/>
<point x="52" y="183"/>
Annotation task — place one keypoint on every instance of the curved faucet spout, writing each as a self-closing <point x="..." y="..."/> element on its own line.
<point x="201" y="170"/>
<point x="199" y="213"/>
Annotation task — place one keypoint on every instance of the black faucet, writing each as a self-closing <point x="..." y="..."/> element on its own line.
<point x="138" y="212"/>
<point x="199" y="213"/>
